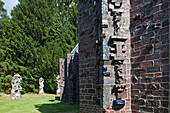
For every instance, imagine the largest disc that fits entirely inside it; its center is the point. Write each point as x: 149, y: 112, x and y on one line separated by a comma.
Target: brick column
x: 89, y: 19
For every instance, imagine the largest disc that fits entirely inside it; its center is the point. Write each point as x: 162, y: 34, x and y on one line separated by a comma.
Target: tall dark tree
x: 3, y: 19
x: 38, y: 34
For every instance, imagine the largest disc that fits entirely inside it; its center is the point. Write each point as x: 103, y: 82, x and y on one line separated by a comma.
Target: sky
x: 9, y: 4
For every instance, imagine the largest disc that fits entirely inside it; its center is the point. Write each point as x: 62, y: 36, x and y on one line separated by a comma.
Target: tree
x: 3, y: 19
x: 38, y: 34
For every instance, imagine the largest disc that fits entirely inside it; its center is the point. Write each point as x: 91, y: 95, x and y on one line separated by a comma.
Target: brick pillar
x: 62, y: 77
x: 89, y: 19
x: 150, y: 55
x: 104, y: 41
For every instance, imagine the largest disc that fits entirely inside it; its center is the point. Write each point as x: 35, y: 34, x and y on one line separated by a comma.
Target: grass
x: 33, y: 103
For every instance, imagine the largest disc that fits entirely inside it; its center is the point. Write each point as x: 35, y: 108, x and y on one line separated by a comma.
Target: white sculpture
x: 41, y: 83
x: 58, y: 85
x: 16, y: 87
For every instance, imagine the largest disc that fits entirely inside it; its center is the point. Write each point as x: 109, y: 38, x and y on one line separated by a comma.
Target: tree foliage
x: 38, y: 34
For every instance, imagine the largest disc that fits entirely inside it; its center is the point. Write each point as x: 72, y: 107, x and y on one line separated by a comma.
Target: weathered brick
x: 146, y: 80
x: 152, y: 57
x: 160, y: 110
x: 161, y: 79
x: 165, y: 103
x: 88, y: 85
x: 165, y: 68
x: 165, y: 48
x: 164, y: 54
x: 139, y: 102
x: 160, y: 93
x: 152, y: 103
x: 165, y: 23
x: 135, y: 92
x: 140, y: 71
x: 139, y: 59
x: 91, y: 90
x: 152, y: 10
x: 134, y: 79
x: 148, y: 35
x: 165, y: 61
x: 164, y: 37
x: 165, y: 85
x: 146, y: 109
x: 164, y: 6
x: 88, y: 97
x: 136, y: 65
x: 133, y: 54
x: 152, y: 86
x: 153, y: 69
x: 139, y: 86
x: 146, y: 64
x: 135, y: 107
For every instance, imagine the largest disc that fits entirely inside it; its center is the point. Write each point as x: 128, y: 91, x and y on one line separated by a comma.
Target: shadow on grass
x: 51, y: 100
x: 57, y: 108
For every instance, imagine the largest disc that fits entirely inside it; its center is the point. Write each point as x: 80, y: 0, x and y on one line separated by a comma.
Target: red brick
x: 136, y: 53
x: 91, y: 90
x: 135, y: 107
x: 139, y: 86
x: 146, y: 64
x: 146, y: 109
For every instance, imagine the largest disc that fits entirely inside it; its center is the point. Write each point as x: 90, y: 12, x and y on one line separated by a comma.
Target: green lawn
x: 33, y: 103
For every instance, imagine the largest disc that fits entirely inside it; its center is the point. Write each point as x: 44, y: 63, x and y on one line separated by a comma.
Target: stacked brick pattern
x: 61, y: 78
x: 89, y: 19
x: 69, y: 78
x: 96, y: 90
x: 150, y: 56
x: 105, y: 40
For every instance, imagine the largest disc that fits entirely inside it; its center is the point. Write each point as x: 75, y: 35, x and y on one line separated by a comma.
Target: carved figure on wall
x: 118, y: 77
x: 117, y: 23
x: 16, y: 86
x: 41, y: 87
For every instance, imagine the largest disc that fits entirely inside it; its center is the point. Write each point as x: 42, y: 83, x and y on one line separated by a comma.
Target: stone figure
x: 16, y: 86
x: 41, y: 87
x: 117, y: 23
x: 58, y: 85
x: 13, y: 84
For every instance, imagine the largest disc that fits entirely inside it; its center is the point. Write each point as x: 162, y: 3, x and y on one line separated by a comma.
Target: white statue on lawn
x: 41, y: 83
x: 58, y: 85
x: 16, y: 87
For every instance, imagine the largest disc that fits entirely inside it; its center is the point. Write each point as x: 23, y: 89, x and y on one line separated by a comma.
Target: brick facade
x: 123, y: 56
x: 89, y: 19
x: 150, y: 56
x: 69, y: 77
x: 104, y: 44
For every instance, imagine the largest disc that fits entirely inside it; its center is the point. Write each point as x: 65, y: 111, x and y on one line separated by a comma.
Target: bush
x: 8, y: 91
x: 23, y: 91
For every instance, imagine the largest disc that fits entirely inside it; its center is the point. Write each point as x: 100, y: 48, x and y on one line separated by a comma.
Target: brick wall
x: 89, y: 19
x: 104, y: 43
x: 150, y: 56
x: 61, y: 78
x: 137, y: 62
x: 69, y: 78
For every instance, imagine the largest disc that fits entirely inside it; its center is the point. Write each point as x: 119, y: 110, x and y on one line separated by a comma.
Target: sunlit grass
x: 33, y: 103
